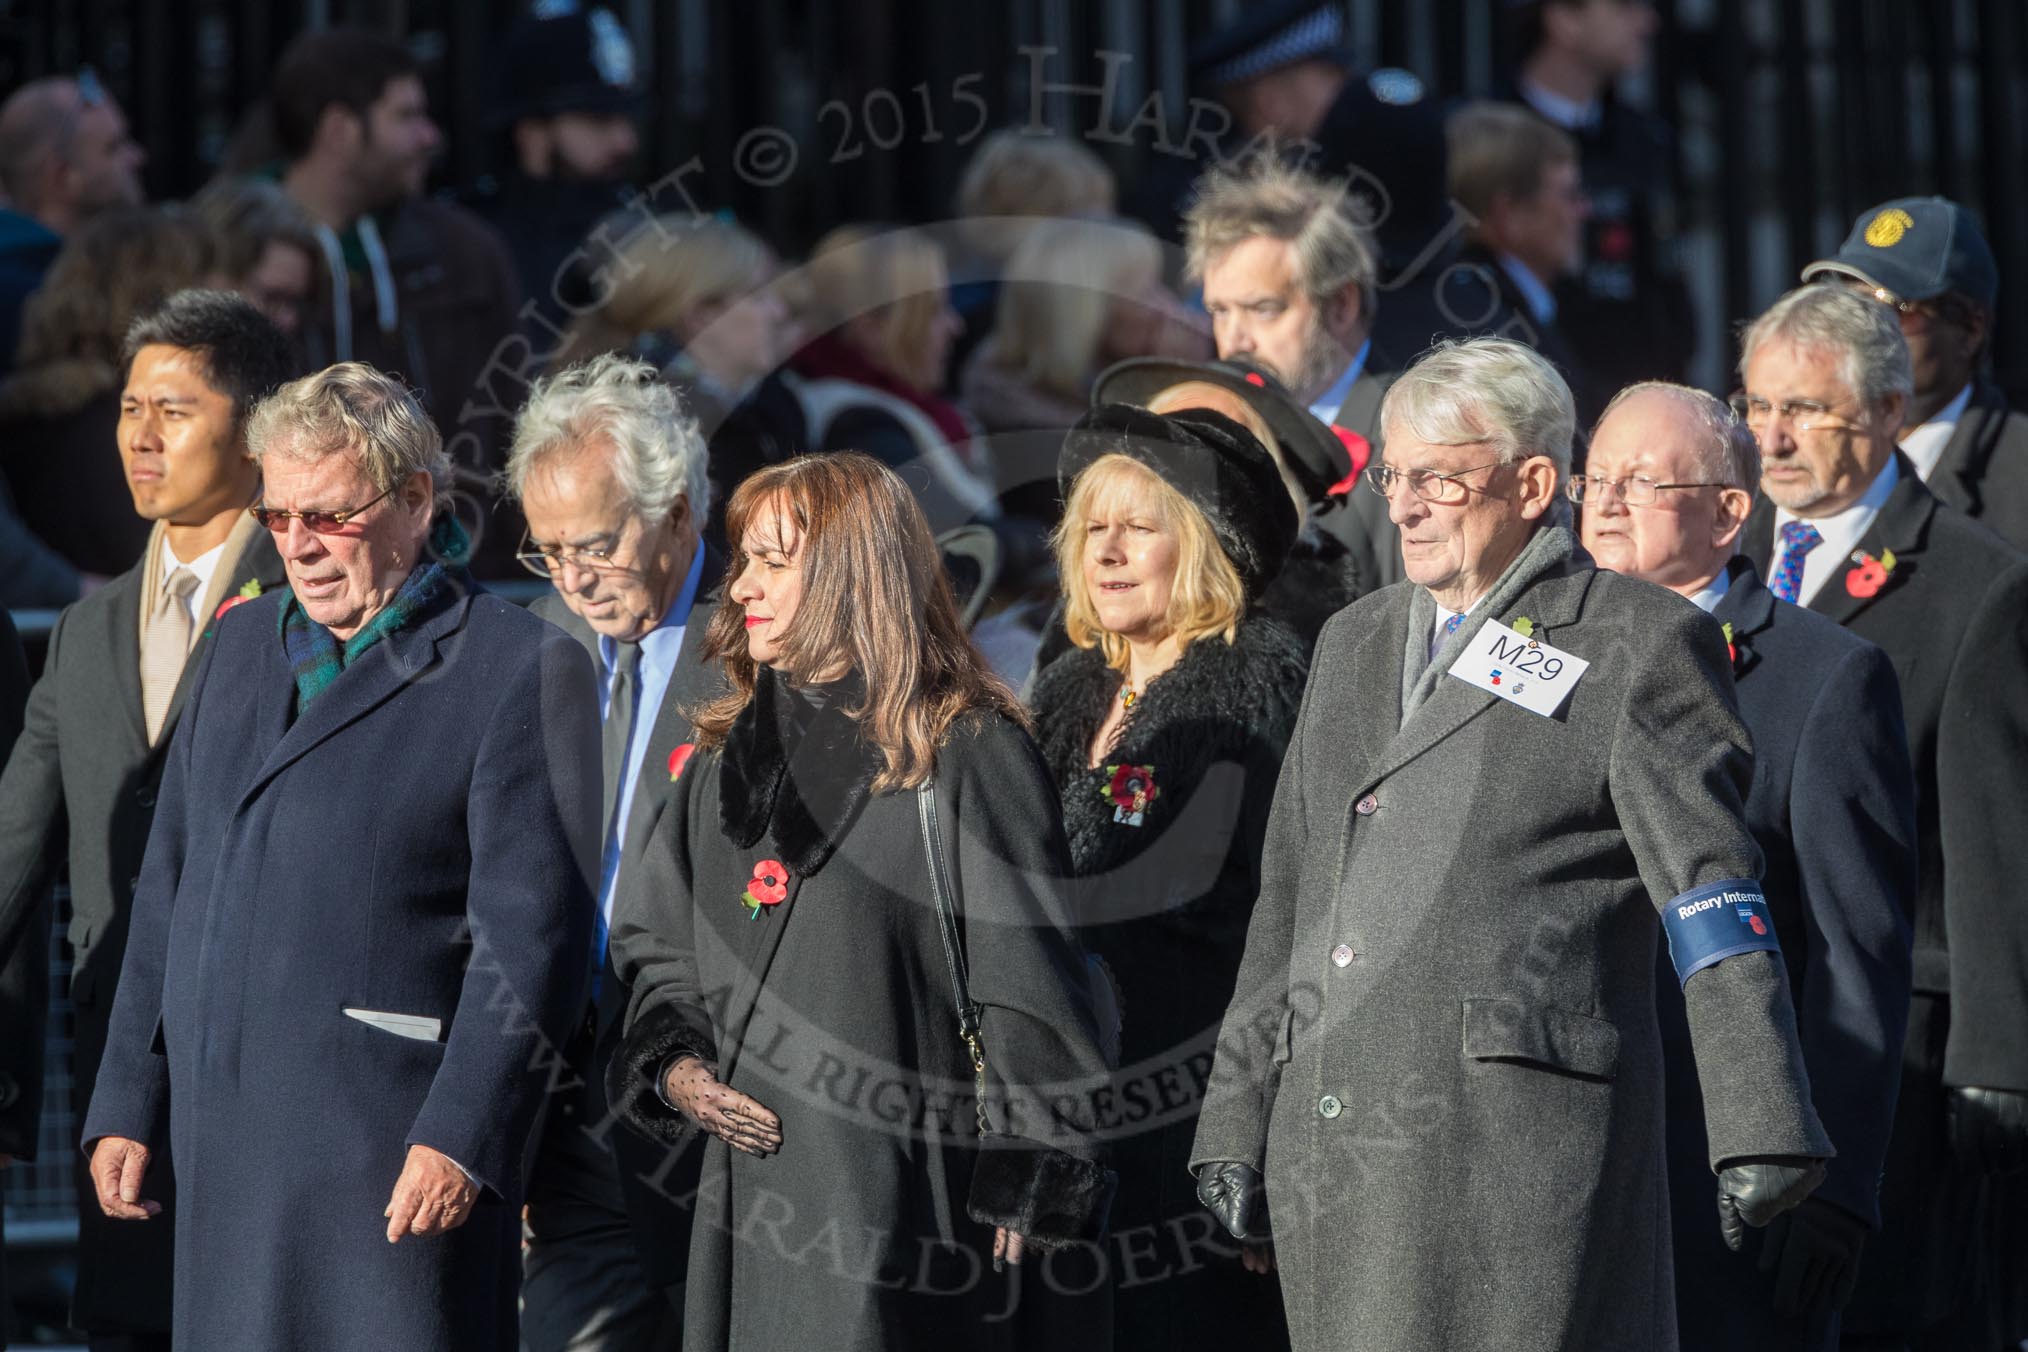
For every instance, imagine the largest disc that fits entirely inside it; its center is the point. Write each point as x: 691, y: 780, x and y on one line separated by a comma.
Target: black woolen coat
x: 872, y: 1227
x: 1166, y: 903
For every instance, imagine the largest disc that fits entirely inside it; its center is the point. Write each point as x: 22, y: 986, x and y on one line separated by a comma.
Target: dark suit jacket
x: 419, y: 841
x: 1547, y: 338
x: 661, y: 1229
x: 80, y: 787
x: 1984, y: 469
x: 1953, y: 618
x: 1832, y: 806
x: 1360, y: 517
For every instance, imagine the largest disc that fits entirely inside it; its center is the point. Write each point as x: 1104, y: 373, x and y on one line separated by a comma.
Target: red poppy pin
x: 679, y: 758
x: 249, y: 592
x: 1869, y: 574
x: 769, y: 886
x: 1130, y: 790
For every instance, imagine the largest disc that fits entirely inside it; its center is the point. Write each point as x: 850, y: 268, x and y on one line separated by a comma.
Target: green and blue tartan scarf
x: 315, y: 656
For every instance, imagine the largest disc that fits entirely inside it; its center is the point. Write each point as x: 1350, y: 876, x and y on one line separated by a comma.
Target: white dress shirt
x: 1535, y: 294
x: 1714, y: 591
x: 1842, y: 532
x: 1925, y: 444
x: 1568, y: 114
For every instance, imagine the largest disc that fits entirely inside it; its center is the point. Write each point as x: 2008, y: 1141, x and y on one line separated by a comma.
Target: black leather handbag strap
x: 947, y: 926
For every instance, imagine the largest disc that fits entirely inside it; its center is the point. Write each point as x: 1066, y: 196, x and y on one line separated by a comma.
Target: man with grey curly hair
x: 362, y: 917
x: 1847, y: 528
x: 1440, y: 1067
x: 609, y: 470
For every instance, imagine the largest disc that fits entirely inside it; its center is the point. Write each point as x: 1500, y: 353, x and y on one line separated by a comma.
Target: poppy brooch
x: 1130, y: 789
x: 250, y: 591
x: 769, y: 886
x: 1869, y: 574
x: 679, y: 758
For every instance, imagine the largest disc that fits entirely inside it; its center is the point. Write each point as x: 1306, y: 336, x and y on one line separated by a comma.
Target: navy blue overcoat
x: 420, y: 841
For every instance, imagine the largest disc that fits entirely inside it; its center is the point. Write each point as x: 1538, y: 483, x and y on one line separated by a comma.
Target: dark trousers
x: 582, y: 1286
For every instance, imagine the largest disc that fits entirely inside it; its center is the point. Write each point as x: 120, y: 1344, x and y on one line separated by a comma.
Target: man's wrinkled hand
x: 432, y: 1195
x: 118, y: 1166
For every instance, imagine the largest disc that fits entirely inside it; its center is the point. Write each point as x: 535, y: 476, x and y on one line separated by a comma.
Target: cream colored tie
x: 164, y: 648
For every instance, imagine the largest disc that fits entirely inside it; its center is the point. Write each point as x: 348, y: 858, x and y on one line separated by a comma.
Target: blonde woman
x: 696, y: 298
x: 1164, y: 729
x: 1077, y: 296
x: 878, y: 304
x: 792, y: 999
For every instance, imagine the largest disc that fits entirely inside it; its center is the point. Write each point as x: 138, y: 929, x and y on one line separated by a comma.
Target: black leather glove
x: 1754, y: 1192
x: 1989, y: 1128
x: 1237, y: 1195
x: 1814, y: 1253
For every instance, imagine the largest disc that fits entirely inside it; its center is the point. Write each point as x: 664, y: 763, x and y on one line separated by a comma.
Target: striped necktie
x: 1798, y: 539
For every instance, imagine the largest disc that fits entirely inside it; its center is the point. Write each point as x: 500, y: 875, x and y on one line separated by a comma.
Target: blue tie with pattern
x: 1798, y: 539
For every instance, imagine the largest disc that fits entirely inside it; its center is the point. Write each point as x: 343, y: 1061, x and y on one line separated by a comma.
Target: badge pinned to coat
x: 1130, y: 789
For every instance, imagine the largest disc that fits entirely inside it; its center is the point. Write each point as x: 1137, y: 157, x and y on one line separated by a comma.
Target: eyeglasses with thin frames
x: 1441, y: 490
x: 1635, y: 490
x: 1804, y: 415
x: 319, y: 523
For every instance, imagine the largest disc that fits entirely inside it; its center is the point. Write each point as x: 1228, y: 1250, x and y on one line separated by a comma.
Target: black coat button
x: 145, y: 796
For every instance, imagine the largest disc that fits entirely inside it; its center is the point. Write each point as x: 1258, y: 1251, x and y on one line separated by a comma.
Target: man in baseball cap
x: 1927, y: 257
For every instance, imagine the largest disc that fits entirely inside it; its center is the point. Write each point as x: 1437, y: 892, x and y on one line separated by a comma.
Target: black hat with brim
x: 1214, y: 462
x: 1315, y: 456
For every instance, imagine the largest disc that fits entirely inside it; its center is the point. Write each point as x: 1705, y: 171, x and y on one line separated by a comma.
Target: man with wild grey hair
x: 1668, y: 484
x: 1848, y: 529
x: 610, y: 473
x: 1438, y: 1091
x: 361, y: 916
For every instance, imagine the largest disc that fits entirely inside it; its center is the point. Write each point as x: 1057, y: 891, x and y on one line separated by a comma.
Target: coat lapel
x: 256, y: 561
x: 1552, y: 602
x: 693, y: 681
x: 122, y: 640
x: 1749, y: 607
x: 1955, y: 480
x: 374, y: 678
x: 1901, y: 525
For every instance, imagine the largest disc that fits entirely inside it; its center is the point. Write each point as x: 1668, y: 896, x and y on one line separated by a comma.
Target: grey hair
x: 1330, y: 229
x: 1727, y: 450
x: 658, y: 451
x: 353, y: 408
x: 1493, y: 391
x: 1864, y: 334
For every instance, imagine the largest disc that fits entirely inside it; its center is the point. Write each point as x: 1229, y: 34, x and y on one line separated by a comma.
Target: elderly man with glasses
x: 610, y: 474
x: 1849, y: 530
x: 1670, y: 478
x: 1443, y: 1056
x: 358, y: 933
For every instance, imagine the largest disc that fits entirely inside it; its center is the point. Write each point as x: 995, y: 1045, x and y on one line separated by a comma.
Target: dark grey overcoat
x: 871, y: 1228
x: 419, y: 841
x: 1443, y: 1050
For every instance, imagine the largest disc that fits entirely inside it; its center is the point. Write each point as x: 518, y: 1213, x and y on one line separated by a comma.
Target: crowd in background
x: 1159, y: 436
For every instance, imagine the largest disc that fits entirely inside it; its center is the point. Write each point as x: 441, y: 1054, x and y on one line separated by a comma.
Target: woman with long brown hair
x: 796, y: 995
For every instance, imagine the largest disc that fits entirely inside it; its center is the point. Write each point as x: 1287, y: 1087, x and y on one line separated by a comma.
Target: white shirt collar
x: 1842, y: 532
x: 1325, y: 408
x: 1924, y: 444
x: 205, y: 565
x: 1541, y: 302
x: 1444, y: 615
x: 1714, y: 591
x: 1568, y: 114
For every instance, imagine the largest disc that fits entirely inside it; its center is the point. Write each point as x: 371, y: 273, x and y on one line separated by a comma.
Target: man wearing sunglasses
x: 83, y: 780
x: 610, y: 474
x: 1926, y: 258
x: 1668, y: 483
x: 1847, y: 528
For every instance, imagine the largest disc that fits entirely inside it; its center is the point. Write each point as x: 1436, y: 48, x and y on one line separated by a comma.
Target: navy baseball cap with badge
x: 1916, y: 248
x: 564, y: 57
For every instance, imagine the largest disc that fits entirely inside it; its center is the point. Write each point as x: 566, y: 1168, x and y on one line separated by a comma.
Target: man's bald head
x: 65, y: 154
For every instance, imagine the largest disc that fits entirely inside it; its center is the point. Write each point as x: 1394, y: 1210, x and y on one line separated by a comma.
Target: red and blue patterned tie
x: 1798, y: 539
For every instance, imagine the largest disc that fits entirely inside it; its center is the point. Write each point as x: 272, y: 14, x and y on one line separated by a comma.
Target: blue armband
x: 1717, y: 921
